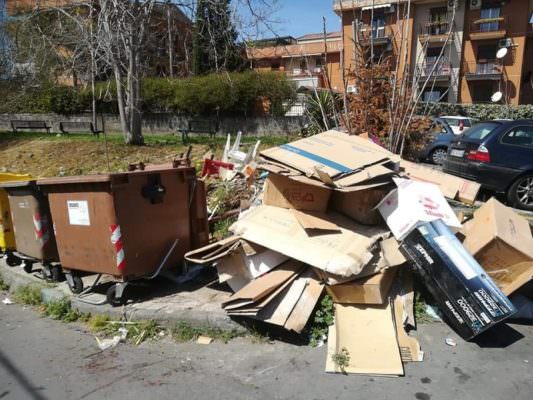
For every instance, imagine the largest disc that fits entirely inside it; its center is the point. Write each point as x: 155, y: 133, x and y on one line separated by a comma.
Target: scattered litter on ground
x: 7, y: 301
x: 204, y: 340
x: 450, y: 342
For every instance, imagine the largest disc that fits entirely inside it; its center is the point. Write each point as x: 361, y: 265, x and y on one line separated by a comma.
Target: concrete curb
x: 15, y: 277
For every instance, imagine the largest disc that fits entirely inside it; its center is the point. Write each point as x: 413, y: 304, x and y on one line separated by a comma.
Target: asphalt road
x: 44, y: 359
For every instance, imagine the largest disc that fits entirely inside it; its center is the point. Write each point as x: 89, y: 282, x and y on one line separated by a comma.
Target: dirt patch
x: 42, y: 158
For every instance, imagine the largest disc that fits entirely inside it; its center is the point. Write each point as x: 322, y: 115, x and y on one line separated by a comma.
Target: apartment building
x: 308, y: 60
x: 451, y: 49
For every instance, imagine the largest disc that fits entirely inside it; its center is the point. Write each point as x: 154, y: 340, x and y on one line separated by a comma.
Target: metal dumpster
x: 32, y: 226
x: 128, y: 225
x: 7, y: 237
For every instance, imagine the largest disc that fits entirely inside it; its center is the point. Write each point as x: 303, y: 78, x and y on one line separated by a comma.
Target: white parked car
x: 458, y: 123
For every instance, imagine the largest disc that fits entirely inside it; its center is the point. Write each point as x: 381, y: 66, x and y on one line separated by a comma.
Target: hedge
x: 228, y: 93
x: 480, y: 111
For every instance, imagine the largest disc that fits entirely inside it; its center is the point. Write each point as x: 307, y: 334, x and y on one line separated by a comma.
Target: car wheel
x: 438, y: 155
x: 520, y: 194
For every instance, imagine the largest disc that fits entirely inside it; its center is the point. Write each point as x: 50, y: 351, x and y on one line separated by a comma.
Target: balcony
x: 435, y: 31
x: 437, y: 71
x: 488, y: 28
x: 486, y: 70
x: 379, y: 36
x: 307, y: 72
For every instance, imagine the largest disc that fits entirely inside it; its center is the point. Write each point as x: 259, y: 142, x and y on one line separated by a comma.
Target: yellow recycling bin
x: 7, y: 237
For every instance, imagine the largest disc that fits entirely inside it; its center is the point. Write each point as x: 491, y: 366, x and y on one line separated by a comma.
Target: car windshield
x: 457, y: 121
x: 480, y: 131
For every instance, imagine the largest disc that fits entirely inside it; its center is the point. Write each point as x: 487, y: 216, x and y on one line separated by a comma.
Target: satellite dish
x: 501, y: 53
x: 496, y: 97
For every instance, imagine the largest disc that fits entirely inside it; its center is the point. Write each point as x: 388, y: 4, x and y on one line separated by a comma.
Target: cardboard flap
x: 214, y: 251
x: 413, y: 203
x: 344, y: 252
x: 514, y: 277
x: 368, y: 174
x: 369, y: 336
x: 451, y: 186
x: 390, y: 249
x: 262, y: 286
x: 315, y: 221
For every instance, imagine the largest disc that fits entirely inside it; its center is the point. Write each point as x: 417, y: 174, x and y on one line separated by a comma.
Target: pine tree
x: 215, y: 37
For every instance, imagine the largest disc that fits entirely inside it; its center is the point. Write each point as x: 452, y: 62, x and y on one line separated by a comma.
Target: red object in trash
x: 212, y: 167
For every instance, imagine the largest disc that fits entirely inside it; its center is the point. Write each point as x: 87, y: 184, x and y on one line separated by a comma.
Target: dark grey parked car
x: 437, y: 149
x: 499, y: 155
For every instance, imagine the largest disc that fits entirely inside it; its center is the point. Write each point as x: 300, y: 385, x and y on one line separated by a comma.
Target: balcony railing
x: 299, y: 72
x: 488, y: 28
x: 435, y: 69
x: 432, y: 28
x: 376, y: 35
x: 483, y: 70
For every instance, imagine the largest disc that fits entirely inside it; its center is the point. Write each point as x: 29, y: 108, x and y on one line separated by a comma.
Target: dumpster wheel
x: 12, y: 260
x: 57, y: 274
x: 75, y: 284
x: 28, y: 266
x: 112, y: 299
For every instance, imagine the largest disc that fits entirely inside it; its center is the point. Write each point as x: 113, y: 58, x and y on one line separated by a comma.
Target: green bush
x: 225, y: 93
x: 480, y: 111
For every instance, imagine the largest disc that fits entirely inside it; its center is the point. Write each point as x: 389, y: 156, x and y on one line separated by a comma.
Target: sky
x: 299, y: 17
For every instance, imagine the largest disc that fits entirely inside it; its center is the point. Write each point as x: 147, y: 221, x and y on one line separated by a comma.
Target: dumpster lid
x: 107, y: 177
x: 15, y: 184
x: 76, y: 179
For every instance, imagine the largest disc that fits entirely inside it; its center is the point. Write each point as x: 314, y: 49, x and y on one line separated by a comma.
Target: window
x: 432, y: 96
x: 487, y: 14
x: 521, y: 136
x: 482, y: 91
x: 480, y: 131
x: 438, y: 21
x: 303, y: 65
x: 378, y: 26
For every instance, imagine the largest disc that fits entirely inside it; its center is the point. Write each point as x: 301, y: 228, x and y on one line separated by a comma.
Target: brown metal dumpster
x: 32, y: 225
x: 128, y: 225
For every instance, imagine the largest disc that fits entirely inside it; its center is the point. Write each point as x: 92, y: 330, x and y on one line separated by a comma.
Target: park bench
x: 79, y: 127
x: 198, y: 126
x: 29, y: 124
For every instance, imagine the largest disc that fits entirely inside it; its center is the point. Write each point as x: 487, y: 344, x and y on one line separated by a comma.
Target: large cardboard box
x: 466, y: 295
x: 371, y: 290
x: 282, y: 191
x: 501, y: 241
x: 360, y: 205
x: 333, y: 153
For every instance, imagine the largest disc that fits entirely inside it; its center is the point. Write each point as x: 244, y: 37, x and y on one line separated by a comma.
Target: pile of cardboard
x: 341, y: 213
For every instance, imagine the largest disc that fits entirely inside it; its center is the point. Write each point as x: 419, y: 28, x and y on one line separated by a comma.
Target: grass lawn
x: 41, y: 155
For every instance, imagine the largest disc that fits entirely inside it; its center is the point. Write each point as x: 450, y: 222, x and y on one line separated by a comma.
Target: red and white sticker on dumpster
x: 78, y: 212
x: 116, y: 239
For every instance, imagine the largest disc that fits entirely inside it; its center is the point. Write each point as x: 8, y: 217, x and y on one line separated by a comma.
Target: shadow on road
x: 6, y: 363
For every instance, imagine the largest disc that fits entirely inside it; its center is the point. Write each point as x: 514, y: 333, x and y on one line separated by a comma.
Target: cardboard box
x: 281, y: 191
x: 360, y: 205
x: 466, y: 295
x: 413, y: 203
x: 333, y: 153
x: 371, y: 290
x: 501, y: 241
